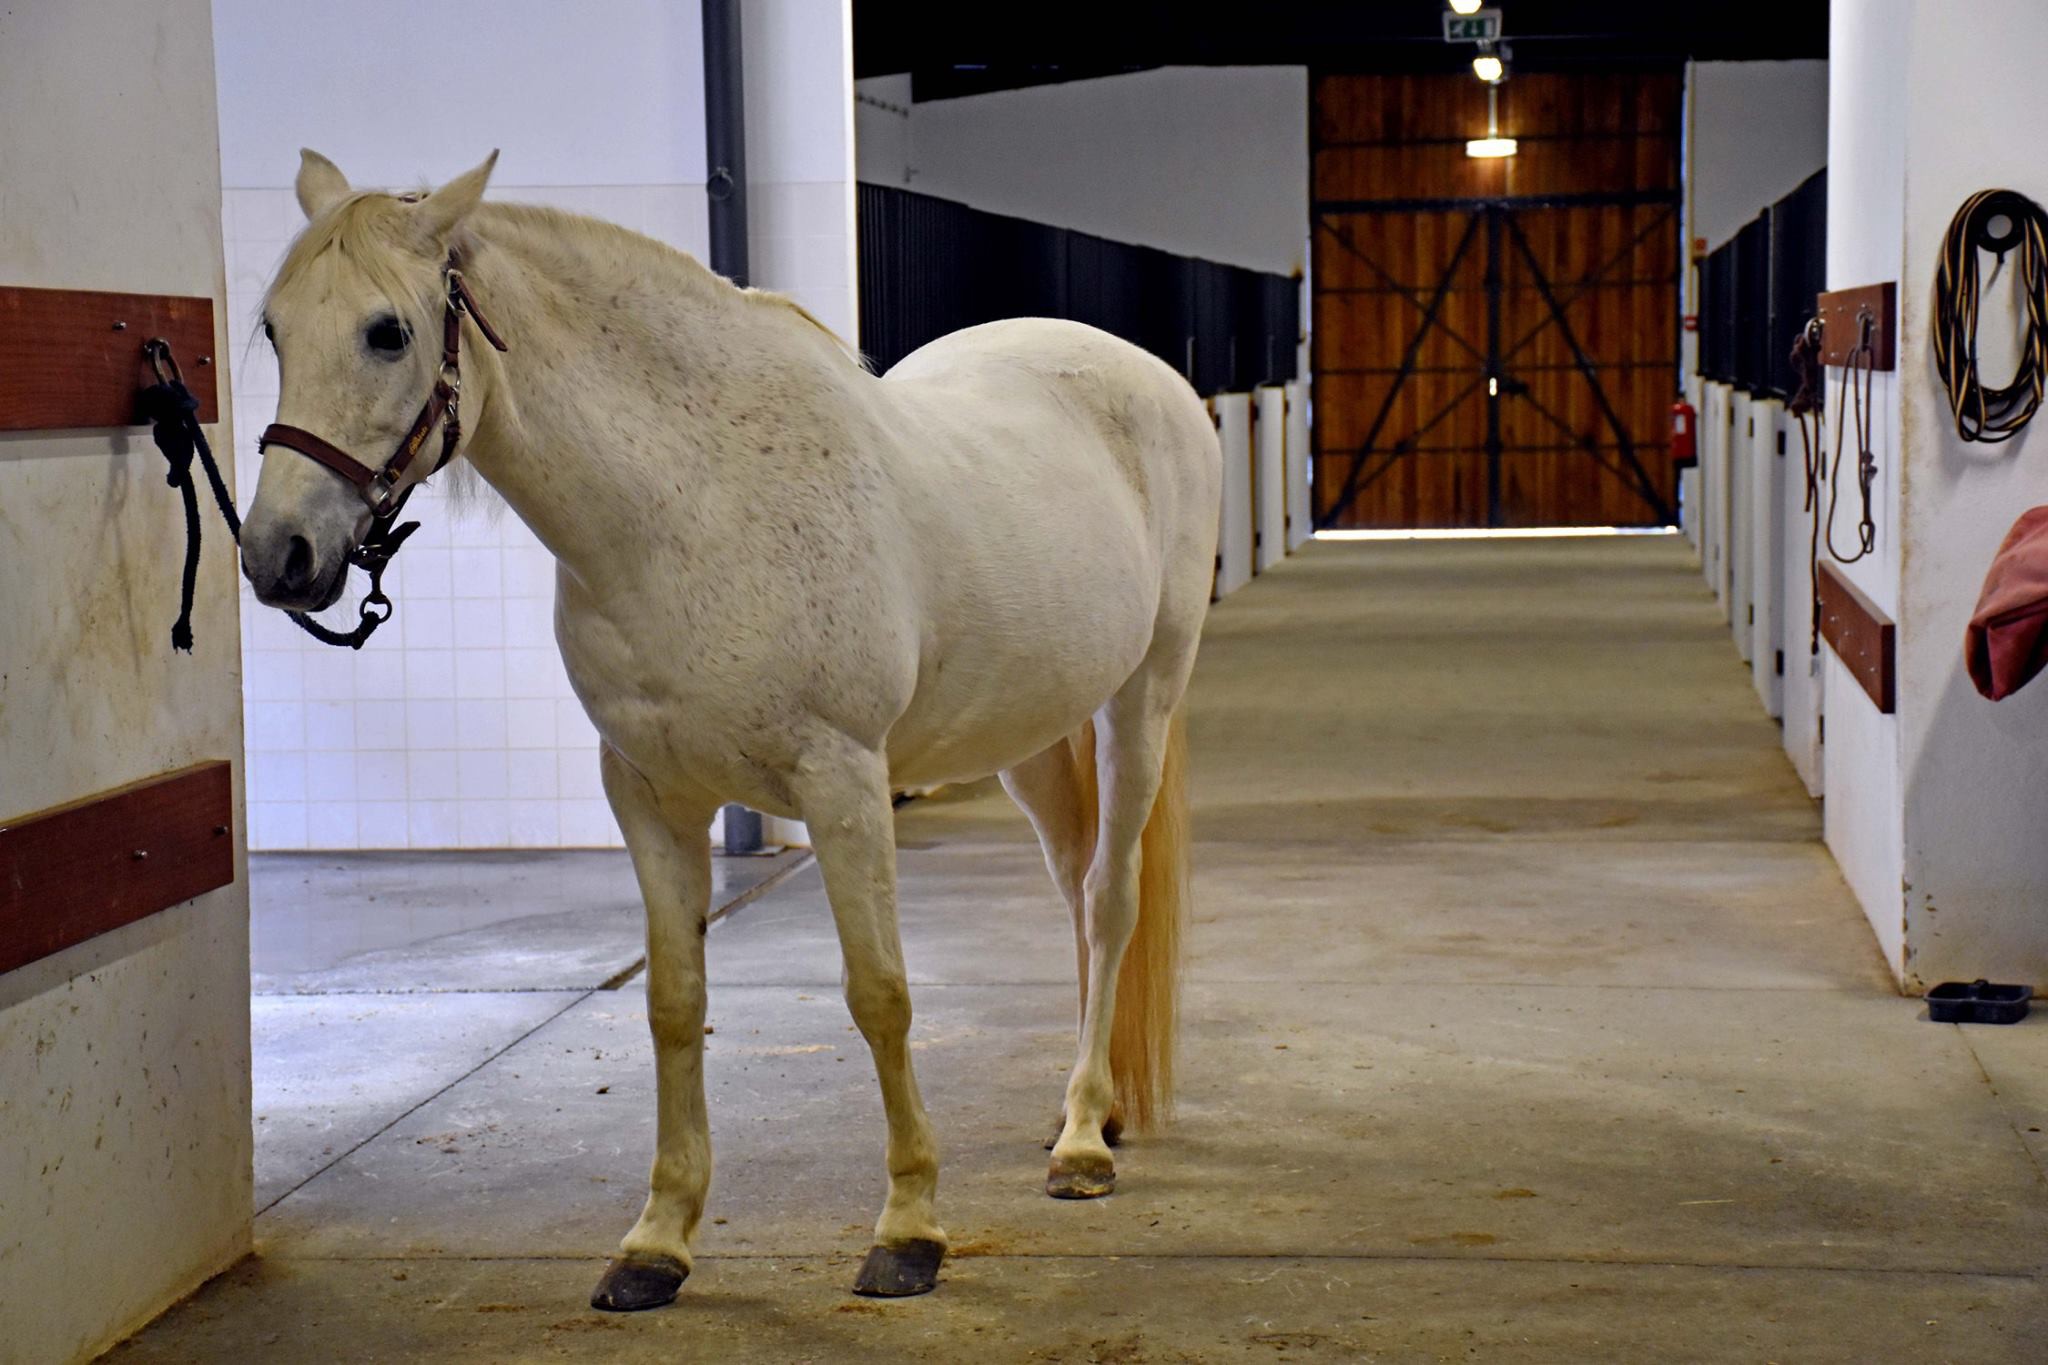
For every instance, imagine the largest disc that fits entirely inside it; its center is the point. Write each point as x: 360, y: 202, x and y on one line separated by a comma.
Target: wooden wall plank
x: 72, y: 358
x: 1862, y: 637
x: 72, y: 873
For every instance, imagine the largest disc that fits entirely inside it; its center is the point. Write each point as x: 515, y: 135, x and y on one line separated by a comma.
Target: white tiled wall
x: 455, y: 726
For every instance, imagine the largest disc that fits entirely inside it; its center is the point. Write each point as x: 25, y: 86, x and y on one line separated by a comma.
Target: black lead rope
x: 173, y: 414
x: 1807, y: 405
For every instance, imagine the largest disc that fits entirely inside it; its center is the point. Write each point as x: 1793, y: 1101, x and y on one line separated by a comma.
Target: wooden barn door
x: 1496, y: 341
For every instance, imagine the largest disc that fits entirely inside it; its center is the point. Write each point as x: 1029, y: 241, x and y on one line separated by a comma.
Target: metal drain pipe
x: 725, y: 185
x: 725, y: 139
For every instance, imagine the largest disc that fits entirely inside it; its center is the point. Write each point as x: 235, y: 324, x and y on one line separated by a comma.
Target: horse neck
x: 640, y: 393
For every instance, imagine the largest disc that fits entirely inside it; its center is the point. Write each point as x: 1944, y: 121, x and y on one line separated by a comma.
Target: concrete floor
x: 1528, y: 1021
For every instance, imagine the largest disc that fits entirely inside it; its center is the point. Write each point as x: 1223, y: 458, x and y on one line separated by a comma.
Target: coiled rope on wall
x: 1991, y: 414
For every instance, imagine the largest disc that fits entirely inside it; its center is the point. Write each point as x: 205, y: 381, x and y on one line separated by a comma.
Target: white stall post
x: 1301, y: 516
x: 1800, y: 688
x: 1689, y: 519
x: 1714, y: 482
x: 1741, y: 523
x: 1269, y: 487
x: 1767, y: 552
x: 1234, y: 539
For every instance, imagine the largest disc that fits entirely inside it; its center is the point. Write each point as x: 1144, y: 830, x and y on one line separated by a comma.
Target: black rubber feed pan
x: 1978, y: 1002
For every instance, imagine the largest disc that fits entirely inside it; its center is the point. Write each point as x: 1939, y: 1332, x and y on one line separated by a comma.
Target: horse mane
x: 363, y: 228
x: 769, y: 296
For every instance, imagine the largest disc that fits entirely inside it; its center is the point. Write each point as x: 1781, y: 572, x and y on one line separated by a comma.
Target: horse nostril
x: 298, y: 565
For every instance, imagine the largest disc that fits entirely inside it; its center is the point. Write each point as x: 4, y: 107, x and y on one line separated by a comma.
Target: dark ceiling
x: 965, y: 48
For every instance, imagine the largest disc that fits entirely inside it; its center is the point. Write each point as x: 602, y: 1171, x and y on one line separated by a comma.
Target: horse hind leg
x: 1056, y: 790
x: 1132, y: 921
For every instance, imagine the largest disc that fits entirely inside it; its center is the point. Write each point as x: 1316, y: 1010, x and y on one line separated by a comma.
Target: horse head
x: 355, y: 317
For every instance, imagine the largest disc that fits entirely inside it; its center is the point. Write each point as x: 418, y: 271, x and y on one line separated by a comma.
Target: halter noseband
x: 379, y: 486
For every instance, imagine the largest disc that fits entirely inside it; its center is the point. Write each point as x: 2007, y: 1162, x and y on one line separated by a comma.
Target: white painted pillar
x: 1269, y: 486
x: 801, y: 202
x: 1800, y: 688
x: 1767, y: 552
x: 1741, y: 527
x: 802, y: 206
x: 1714, y: 476
x: 1689, y: 487
x: 124, y: 1059
x: 1301, y: 519
x: 1234, y: 539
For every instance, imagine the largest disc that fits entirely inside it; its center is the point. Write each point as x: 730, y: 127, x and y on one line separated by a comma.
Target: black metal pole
x: 1494, y: 214
x: 725, y: 185
x: 725, y: 139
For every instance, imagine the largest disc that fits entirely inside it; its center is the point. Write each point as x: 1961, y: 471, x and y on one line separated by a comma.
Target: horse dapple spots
x: 786, y: 581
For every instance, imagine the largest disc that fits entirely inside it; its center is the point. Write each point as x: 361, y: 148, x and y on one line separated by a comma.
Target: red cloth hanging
x: 2007, y: 642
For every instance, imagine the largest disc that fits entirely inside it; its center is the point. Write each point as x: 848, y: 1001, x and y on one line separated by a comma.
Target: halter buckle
x: 382, y: 495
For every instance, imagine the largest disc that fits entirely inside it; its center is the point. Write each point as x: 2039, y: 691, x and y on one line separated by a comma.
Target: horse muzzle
x: 290, y: 572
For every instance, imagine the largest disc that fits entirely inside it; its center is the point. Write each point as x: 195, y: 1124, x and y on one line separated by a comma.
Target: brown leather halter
x: 380, y: 486
x: 384, y: 488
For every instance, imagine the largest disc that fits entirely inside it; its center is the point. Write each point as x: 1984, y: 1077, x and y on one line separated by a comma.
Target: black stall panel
x: 1282, y: 330
x: 931, y: 266
x: 1799, y: 272
x: 1752, y: 318
x: 1716, y: 315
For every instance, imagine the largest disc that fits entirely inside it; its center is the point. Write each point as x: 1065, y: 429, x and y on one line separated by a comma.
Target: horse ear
x: 441, y: 212
x: 321, y: 183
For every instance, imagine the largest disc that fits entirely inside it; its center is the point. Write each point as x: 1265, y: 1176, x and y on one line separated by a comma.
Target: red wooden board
x: 1862, y: 637
x: 69, y: 874
x: 72, y: 358
x: 1841, y: 328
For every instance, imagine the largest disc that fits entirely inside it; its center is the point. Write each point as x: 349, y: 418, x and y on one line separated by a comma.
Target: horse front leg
x: 671, y: 847
x: 844, y: 797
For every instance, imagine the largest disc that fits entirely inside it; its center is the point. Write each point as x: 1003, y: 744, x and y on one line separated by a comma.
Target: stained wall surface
x: 1975, y: 867
x: 124, y: 1062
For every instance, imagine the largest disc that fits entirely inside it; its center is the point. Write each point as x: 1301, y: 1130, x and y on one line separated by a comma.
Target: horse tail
x: 1142, y: 1036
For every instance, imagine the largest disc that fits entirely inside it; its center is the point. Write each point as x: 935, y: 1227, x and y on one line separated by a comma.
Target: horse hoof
x: 1087, y: 1178
x: 1112, y: 1131
x: 898, y: 1272
x: 631, y: 1283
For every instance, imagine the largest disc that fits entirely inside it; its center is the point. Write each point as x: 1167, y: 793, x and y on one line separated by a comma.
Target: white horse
x: 785, y: 581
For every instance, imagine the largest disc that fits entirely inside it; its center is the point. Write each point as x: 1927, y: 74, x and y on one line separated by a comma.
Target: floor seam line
x: 1998, y: 1098
x: 744, y: 899
x: 414, y: 1109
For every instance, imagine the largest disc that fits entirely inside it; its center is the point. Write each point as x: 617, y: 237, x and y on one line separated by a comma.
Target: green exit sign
x: 1481, y: 26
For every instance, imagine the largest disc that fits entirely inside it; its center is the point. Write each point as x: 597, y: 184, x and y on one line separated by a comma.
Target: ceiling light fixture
x: 1493, y: 146
x: 1488, y: 68
x: 1466, y: 6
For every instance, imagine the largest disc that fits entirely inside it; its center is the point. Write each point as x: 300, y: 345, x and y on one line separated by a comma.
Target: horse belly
x: 994, y: 696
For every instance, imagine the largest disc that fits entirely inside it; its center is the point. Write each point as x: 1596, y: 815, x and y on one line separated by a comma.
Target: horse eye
x: 387, y: 336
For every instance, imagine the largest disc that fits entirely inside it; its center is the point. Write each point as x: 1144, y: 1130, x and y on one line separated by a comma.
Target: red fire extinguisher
x: 1684, y: 450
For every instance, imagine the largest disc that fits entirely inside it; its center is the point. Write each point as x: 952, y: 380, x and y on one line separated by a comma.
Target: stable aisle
x: 1527, y: 1019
